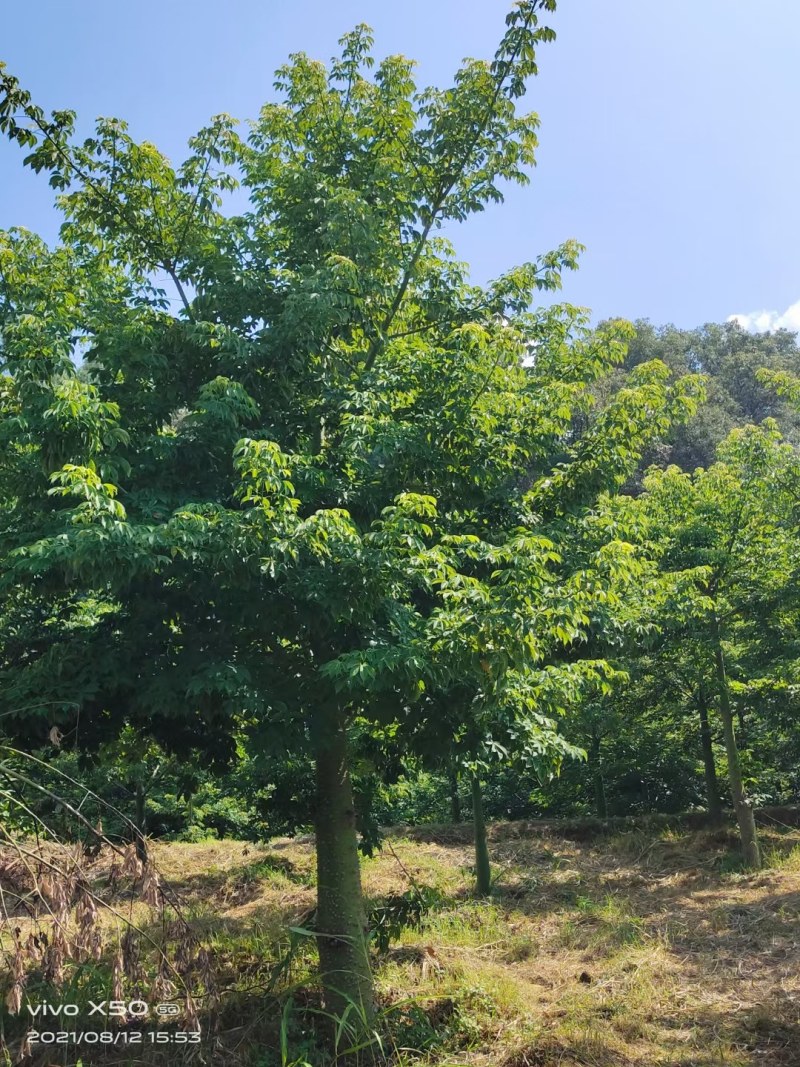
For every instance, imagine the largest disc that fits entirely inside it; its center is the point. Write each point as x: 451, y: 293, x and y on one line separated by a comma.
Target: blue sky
x: 668, y: 138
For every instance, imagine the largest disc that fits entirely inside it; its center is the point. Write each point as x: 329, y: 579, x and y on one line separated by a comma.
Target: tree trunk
x: 140, y: 821
x: 483, y: 868
x: 709, y: 767
x: 455, y: 801
x: 341, y: 919
x: 596, y: 767
x: 741, y: 805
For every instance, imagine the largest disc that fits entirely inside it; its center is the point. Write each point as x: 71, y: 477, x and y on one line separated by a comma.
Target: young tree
x: 584, y: 588
x: 668, y: 699
x: 729, y: 529
x: 307, y: 489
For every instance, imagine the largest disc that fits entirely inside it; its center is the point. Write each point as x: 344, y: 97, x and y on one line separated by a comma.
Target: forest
x: 393, y: 669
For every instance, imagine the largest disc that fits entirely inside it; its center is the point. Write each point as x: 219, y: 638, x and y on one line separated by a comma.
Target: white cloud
x: 761, y: 321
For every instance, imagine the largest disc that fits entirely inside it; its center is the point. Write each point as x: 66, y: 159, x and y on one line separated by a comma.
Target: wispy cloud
x: 761, y: 321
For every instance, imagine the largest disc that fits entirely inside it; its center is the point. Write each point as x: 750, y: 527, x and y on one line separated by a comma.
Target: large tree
x: 315, y: 482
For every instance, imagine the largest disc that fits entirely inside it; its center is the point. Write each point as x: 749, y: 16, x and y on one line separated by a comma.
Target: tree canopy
x: 330, y: 476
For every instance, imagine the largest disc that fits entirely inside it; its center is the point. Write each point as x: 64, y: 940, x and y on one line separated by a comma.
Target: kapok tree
x: 288, y: 499
x: 729, y: 530
x: 591, y: 597
x: 670, y: 697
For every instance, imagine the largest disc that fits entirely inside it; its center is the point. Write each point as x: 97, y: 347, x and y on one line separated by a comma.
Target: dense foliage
x: 332, y: 535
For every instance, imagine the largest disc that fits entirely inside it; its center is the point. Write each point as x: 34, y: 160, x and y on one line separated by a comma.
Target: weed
x: 399, y: 912
x: 781, y: 859
x: 606, y: 923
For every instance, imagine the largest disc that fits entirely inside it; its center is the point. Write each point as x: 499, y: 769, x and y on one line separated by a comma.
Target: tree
x: 655, y: 731
x: 311, y: 492
x: 587, y: 592
x: 731, y: 359
x: 728, y: 529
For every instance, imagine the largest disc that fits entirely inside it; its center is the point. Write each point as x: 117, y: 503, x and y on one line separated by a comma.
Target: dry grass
x: 638, y: 950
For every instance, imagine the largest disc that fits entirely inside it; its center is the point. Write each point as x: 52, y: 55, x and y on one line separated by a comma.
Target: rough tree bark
x: 341, y: 925
x: 741, y: 804
x: 709, y: 766
x: 483, y: 867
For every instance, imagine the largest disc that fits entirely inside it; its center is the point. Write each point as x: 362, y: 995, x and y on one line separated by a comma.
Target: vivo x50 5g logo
x: 120, y: 1009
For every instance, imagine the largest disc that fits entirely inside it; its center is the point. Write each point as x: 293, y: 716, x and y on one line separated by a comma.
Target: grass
x: 636, y: 950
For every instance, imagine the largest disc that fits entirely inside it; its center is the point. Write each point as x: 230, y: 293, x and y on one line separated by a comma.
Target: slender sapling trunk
x: 709, y: 765
x: 741, y: 804
x: 596, y: 768
x: 483, y: 868
x: 455, y: 800
x: 140, y: 821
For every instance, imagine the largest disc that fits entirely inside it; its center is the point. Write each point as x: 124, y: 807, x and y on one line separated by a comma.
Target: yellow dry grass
x: 635, y: 950
x: 631, y: 951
